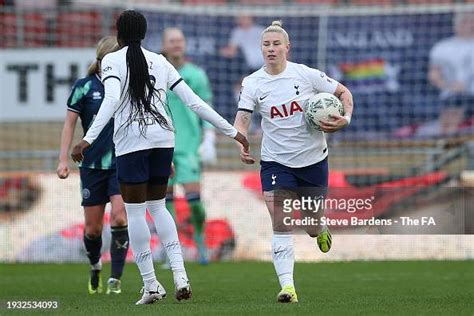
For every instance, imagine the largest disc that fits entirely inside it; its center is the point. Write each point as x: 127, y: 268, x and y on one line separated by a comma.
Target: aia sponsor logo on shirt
x: 285, y: 110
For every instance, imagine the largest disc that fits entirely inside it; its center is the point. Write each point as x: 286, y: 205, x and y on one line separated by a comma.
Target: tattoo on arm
x: 242, y: 121
x: 346, y: 100
x: 245, y: 117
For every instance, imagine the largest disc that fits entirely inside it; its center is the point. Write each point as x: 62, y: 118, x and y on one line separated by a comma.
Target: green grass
x: 353, y: 288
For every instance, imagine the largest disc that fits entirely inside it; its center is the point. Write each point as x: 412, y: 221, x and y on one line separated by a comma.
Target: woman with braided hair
x: 136, y: 81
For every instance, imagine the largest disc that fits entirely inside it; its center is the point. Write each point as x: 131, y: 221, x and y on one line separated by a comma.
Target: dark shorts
x: 275, y: 176
x: 145, y: 166
x: 97, y: 186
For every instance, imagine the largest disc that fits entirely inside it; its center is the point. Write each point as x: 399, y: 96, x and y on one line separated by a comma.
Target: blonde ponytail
x: 106, y: 45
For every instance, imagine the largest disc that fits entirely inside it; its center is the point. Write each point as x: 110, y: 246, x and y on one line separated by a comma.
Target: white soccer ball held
x: 322, y: 107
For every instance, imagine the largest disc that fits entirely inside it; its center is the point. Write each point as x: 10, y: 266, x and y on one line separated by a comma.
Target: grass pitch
x: 352, y: 288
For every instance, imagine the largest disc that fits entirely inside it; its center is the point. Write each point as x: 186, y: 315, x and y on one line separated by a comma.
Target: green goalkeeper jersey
x: 187, y: 124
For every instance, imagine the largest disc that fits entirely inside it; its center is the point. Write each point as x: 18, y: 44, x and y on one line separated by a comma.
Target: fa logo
x: 273, y: 179
x: 296, y: 88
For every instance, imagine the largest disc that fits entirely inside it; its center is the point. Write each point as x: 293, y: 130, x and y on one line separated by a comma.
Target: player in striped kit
x: 294, y: 156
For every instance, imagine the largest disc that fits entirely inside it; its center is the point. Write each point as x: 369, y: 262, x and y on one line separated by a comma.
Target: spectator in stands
x: 246, y: 37
x: 452, y: 72
x: 98, y: 174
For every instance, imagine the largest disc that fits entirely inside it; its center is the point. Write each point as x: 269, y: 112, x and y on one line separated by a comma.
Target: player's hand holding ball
x: 77, y: 151
x: 335, y: 123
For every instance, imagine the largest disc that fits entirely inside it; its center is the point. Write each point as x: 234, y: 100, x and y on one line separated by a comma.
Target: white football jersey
x: 287, y: 139
x: 127, y: 137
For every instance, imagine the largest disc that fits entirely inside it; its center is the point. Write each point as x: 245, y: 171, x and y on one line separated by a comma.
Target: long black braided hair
x: 131, y: 30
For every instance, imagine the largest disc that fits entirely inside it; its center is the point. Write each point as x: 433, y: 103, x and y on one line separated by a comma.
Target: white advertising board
x: 35, y: 83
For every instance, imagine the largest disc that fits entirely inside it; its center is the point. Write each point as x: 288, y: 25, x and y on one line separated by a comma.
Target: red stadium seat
x: 28, y: 30
x: 9, y: 31
x: 78, y: 29
x: 113, y: 21
x: 36, y: 30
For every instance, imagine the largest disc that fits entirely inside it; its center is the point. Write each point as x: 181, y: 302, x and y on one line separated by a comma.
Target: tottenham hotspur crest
x: 297, y: 87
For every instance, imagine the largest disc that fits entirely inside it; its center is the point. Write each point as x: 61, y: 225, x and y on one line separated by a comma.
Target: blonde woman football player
x: 98, y: 175
x: 294, y: 156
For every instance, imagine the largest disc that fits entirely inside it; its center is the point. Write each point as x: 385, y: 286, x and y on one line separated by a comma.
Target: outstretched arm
x: 204, y: 111
x: 106, y: 112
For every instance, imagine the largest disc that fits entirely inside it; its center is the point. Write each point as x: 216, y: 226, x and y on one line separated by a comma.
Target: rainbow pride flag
x: 364, y: 70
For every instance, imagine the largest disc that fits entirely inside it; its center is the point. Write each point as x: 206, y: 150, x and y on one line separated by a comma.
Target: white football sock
x: 166, y: 230
x: 283, y: 257
x: 140, y: 236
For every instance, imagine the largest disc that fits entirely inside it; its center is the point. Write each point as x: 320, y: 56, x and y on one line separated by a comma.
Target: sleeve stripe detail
x: 245, y: 110
x: 111, y: 77
x: 176, y: 83
x: 73, y: 110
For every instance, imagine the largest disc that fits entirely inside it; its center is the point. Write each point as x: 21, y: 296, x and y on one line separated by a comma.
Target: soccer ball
x: 319, y: 107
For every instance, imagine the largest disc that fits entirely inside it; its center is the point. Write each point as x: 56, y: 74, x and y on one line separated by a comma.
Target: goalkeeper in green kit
x: 195, y: 139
